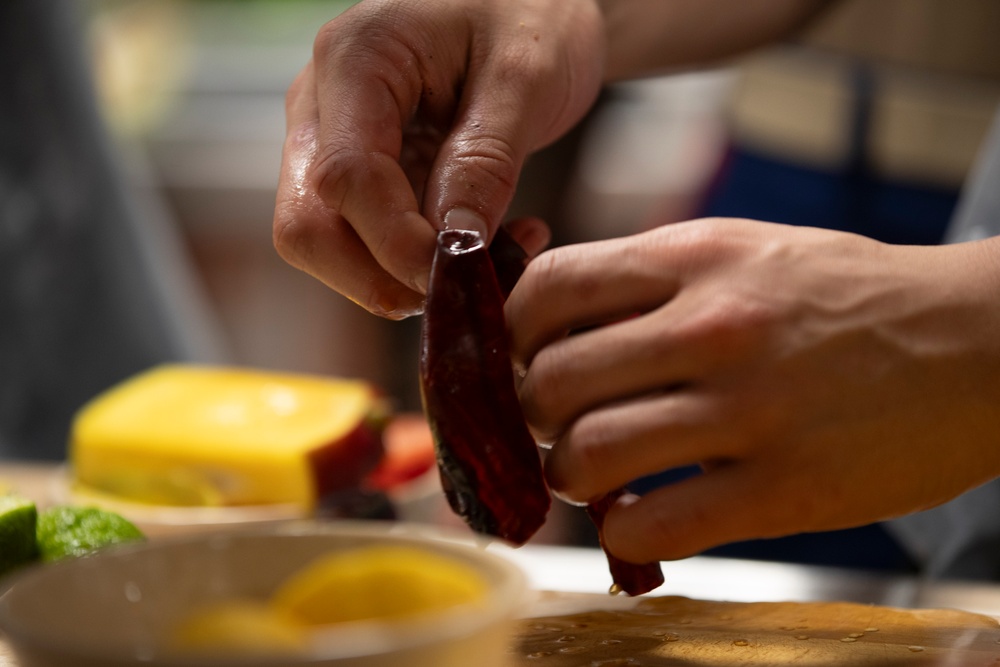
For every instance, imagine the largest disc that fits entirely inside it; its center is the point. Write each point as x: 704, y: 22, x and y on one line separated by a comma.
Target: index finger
x: 367, y: 91
x: 314, y: 238
x: 584, y: 285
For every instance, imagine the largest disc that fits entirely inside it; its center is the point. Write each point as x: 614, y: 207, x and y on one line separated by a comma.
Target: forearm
x: 650, y: 36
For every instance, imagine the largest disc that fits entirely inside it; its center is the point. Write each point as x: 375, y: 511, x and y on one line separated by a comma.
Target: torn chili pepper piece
x: 628, y: 577
x: 510, y: 260
x: 490, y: 466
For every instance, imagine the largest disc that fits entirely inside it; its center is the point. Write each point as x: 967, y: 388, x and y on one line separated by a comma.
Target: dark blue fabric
x: 753, y: 186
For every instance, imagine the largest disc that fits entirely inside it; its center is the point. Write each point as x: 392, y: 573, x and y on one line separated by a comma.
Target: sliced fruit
x: 18, y: 519
x: 377, y: 582
x: 200, y: 435
x: 76, y: 531
x: 237, y: 627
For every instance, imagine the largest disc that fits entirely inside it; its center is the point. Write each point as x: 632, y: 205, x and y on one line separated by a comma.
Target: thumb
x: 500, y: 119
x: 475, y: 174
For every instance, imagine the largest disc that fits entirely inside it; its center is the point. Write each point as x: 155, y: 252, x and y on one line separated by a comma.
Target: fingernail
x: 626, y: 499
x: 566, y: 499
x: 463, y: 218
x: 421, y: 282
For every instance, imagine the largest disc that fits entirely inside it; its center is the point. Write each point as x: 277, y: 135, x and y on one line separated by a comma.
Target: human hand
x: 822, y: 380
x: 415, y: 116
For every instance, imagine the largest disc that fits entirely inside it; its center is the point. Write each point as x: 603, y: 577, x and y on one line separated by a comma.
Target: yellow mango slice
x: 202, y: 435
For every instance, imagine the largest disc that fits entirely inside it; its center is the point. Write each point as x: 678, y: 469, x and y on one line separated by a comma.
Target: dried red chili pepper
x: 509, y: 259
x: 628, y: 577
x: 490, y: 467
x: 489, y: 463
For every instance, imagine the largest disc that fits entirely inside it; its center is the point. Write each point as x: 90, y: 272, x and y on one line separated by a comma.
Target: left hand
x: 821, y: 379
x: 414, y: 117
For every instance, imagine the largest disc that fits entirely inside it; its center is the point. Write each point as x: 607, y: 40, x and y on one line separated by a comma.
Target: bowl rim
x: 503, y: 600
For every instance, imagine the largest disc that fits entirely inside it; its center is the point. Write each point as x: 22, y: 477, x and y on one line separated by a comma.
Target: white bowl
x: 114, y: 608
x: 168, y: 520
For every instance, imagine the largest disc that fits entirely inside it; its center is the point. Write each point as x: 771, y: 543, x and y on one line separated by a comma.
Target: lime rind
x: 18, y: 521
x: 76, y: 531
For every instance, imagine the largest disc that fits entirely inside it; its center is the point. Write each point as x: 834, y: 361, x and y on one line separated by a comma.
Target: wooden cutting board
x: 679, y: 631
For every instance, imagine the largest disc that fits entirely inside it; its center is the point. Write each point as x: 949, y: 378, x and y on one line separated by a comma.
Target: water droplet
x: 871, y: 629
x: 132, y: 592
x: 802, y: 636
x: 671, y: 638
x: 615, y: 589
x: 610, y: 642
x: 741, y: 642
x: 573, y: 649
x: 856, y: 635
x: 565, y: 639
x: 848, y: 639
x: 538, y: 654
x: 915, y: 649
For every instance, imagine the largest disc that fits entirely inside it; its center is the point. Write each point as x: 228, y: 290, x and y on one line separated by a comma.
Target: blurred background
x: 194, y: 90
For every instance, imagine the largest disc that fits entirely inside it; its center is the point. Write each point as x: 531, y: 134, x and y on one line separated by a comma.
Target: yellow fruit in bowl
x: 379, y: 582
x: 238, y: 626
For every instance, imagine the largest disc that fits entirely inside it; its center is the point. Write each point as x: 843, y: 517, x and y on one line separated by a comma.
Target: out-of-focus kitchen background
x: 194, y: 90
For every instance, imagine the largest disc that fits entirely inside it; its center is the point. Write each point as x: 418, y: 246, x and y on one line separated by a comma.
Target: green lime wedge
x: 18, y: 518
x: 75, y: 531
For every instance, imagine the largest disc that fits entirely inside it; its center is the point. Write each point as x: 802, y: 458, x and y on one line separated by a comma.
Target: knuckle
x: 486, y: 158
x: 521, y: 67
x: 344, y: 33
x: 542, y: 275
x: 591, y: 442
x: 391, y: 245
x: 730, y: 324
x: 331, y: 174
x: 291, y: 237
x: 543, y: 393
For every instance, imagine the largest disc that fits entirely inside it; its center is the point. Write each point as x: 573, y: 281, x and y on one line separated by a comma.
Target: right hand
x: 822, y: 379
x: 416, y: 116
